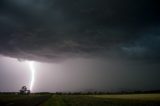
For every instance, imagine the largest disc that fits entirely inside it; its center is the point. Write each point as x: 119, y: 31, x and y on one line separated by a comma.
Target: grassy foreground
x: 81, y: 100
x: 104, y: 100
x: 22, y: 100
x: 138, y: 97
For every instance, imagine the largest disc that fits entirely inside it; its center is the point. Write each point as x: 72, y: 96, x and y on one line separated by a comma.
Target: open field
x: 139, y: 97
x: 81, y: 100
x: 22, y: 100
x: 104, y: 100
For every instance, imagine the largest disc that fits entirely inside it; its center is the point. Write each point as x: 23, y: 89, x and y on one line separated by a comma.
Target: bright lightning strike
x: 32, y: 69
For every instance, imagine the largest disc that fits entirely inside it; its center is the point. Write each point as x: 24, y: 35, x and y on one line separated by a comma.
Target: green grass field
x: 81, y: 100
x: 140, y: 97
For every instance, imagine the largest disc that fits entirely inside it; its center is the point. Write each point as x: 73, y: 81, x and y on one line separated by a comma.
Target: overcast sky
x: 80, y: 44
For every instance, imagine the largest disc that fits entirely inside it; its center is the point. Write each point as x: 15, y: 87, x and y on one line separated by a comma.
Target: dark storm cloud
x: 146, y: 46
x: 54, y: 30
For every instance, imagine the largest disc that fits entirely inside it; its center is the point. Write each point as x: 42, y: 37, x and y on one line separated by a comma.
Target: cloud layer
x: 55, y: 30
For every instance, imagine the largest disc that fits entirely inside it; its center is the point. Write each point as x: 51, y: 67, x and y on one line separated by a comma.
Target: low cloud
x: 55, y: 30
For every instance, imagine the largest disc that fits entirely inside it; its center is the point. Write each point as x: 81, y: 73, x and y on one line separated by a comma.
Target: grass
x: 104, y: 100
x: 55, y: 101
x: 81, y: 100
x: 139, y: 97
x: 22, y: 100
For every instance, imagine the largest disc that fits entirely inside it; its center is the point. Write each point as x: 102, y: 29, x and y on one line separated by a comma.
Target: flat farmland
x: 138, y: 97
x: 104, y: 100
x: 22, y: 100
x: 81, y: 100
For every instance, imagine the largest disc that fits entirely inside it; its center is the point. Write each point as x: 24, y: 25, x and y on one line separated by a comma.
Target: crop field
x: 81, y: 100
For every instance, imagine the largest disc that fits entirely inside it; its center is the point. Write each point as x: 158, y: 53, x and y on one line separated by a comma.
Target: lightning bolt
x: 32, y: 69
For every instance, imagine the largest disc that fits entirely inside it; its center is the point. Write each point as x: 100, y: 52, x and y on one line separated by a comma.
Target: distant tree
x: 24, y: 91
x: 28, y: 92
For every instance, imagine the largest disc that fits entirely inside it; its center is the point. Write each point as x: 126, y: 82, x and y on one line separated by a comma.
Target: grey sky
x: 79, y: 75
x: 95, y: 44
